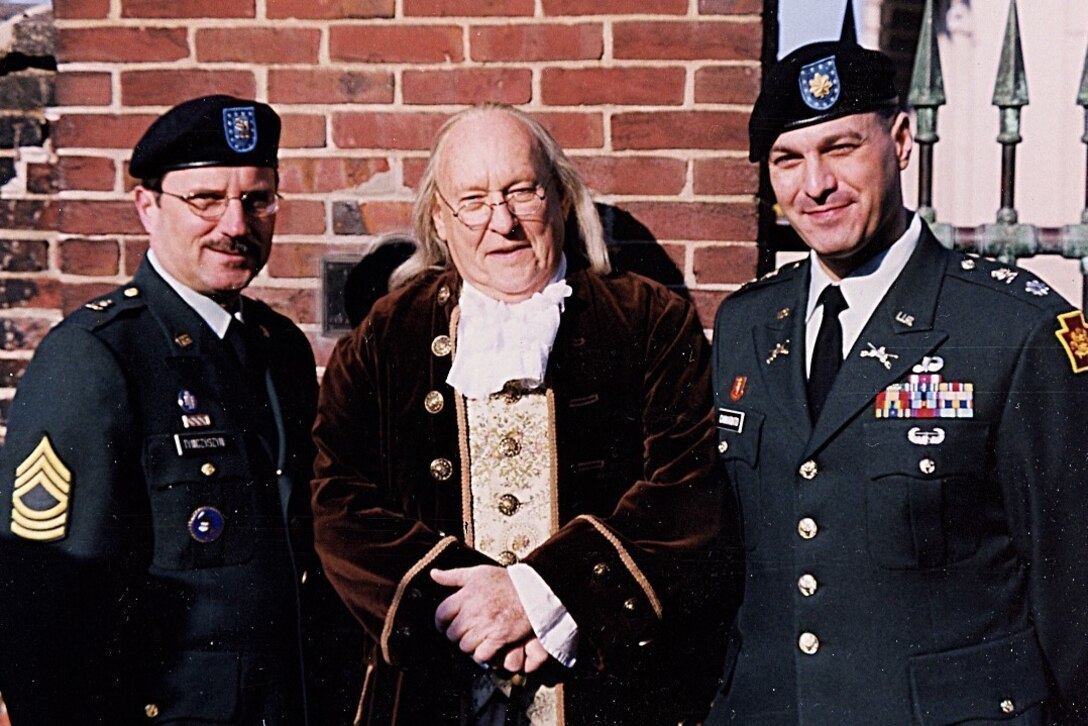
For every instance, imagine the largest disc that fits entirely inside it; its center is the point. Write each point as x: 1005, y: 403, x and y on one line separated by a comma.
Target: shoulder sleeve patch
x: 1073, y: 335
x: 43, y: 483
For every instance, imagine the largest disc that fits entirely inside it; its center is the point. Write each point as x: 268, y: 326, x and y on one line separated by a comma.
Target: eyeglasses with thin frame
x: 211, y: 206
x: 521, y: 203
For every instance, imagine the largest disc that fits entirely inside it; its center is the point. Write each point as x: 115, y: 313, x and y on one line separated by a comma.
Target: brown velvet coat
x: 636, y: 559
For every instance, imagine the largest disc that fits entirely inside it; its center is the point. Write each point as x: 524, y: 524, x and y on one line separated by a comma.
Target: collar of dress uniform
x: 209, y: 310
x: 498, y: 342
x: 866, y: 286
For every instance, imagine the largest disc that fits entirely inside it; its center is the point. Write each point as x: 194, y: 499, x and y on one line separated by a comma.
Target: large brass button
x: 807, y: 528
x: 1007, y: 706
x: 151, y: 710
x: 723, y: 446
x: 927, y: 466
x: 518, y: 680
x: 208, y: 469
x: 630, y: 605
x: 443, y: 294
x: 508, y: 504
x: 507, y: 558
x: 441, y: 469
x: 808, y: 470
x: 509, y: 446
x: 808, y: 643
x: 600, y: 569
x: 807, y: 585
x: 441, y: 345
x: 434, y: 402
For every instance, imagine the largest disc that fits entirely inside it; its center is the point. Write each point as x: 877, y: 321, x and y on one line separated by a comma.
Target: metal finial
x: 849, y: 33
x: 926, y: 96
x: 1011, y: 88
x: 927, y: 81
x: 1082, y: 97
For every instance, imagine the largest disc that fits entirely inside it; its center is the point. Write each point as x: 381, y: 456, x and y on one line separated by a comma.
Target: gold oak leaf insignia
x: 819, y: 85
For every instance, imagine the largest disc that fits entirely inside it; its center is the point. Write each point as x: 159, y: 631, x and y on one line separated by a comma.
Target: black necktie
x: 246, y: 344
x: 827, y: 355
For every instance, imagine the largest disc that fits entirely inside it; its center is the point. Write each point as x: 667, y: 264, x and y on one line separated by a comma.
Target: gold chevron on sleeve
x: 43, y: 484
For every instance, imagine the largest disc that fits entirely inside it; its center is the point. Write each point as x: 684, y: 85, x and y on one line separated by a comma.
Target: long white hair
x: 432, y: 252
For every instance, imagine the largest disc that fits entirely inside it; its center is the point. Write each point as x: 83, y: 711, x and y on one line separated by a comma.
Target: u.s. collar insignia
x: 1074, y: 338
x: 39, y: 500
x: 240, y: 128
x: 737, y: 391
x: 819, y: 81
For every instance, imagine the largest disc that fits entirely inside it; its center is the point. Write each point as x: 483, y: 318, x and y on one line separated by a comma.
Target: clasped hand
x: 486, y: 620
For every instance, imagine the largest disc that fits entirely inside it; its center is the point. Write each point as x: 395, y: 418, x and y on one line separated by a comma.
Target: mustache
x: 234, y: 245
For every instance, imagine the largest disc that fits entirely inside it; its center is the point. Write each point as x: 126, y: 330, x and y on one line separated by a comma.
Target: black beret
x: 817, y: 83
x: 208, y: 131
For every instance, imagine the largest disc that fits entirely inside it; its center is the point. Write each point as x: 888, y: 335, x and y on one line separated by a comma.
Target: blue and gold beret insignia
x: 820, y: 84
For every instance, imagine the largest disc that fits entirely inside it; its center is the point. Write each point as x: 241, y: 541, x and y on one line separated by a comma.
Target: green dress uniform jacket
x: 638, y: 497
x: 903, y: 569
x: 179, y: 583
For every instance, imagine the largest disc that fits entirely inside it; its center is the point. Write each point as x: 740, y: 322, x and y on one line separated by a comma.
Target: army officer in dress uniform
x: 156, y: 560
x: 904, y: 427
x: 515, y: 490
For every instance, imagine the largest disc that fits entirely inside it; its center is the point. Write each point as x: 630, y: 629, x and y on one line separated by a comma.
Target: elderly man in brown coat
x: 516, y: 490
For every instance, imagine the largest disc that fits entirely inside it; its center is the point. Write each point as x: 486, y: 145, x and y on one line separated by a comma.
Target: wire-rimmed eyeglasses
x: 211, y: 206
x: 521, y: 203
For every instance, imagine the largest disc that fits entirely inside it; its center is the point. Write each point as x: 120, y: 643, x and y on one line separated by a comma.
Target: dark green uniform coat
x: 937, y: 577
x: 638, y: 497
x: 127, y: 615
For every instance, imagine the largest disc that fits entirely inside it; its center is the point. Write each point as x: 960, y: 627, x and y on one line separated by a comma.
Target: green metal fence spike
x: 926, y: 96
x: 1011, y: 88
x: 849, y: 33
x: 927, y: 81
x: 1082, y: 97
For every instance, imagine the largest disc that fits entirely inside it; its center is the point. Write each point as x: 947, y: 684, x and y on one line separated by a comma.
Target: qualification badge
x: 43, y: 484
x: 1074, y: 338
x: 820, y: 86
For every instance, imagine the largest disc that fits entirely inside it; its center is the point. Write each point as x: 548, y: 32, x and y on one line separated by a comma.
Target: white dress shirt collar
x: 863, y: 288
x: 209, y: 310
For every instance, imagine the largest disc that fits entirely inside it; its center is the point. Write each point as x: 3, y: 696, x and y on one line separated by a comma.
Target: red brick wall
x: 650, y: 96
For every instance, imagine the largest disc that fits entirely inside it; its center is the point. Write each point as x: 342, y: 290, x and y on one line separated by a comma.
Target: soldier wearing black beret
x: 903, y: 426
x: 156, y: 558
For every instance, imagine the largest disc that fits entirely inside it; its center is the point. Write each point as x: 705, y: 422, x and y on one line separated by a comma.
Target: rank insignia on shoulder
x: 100, y: 305
x: 43, y: 485
x: 1037, y: 288
x: 1074, y: 338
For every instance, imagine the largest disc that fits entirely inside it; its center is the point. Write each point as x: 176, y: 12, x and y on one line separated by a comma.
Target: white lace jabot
x: 499, y: 342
